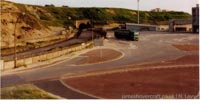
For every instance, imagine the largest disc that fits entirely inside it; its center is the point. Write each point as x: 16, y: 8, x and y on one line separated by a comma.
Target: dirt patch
x: 178, y: 82
x: 99, y: 55
x: 187, y: 47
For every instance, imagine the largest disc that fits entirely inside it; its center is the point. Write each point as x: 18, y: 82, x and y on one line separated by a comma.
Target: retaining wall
x: 1, y: 65
x: 45, y: 57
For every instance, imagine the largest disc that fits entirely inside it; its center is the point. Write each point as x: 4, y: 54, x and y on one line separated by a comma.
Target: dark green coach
x: 127, y: 34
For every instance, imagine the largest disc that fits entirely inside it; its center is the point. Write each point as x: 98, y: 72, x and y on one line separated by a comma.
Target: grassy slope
x: 103, y: 15
x: 24, y: 92
x: 63, y: 16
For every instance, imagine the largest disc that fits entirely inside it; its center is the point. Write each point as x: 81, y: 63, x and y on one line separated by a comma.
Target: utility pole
x: 92, y: 32
x: 15, y: 39
x: 138, y: 11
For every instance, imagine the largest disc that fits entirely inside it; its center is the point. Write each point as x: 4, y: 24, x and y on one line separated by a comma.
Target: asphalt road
x: 151, y: 47
x: 57, y: 88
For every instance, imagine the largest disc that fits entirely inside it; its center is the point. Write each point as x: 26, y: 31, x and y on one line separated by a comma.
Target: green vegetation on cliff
x: 65, y: 16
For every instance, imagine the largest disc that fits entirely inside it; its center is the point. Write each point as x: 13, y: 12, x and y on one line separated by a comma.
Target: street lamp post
x: 138, y: 11
x: 92, y: 31
x: 15, y: 39
x: 101, y: 53
x: 69, y: 29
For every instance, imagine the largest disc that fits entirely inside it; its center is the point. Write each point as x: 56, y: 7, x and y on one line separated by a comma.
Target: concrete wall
x: 8, y: 65
x: 1, y: 64
x: 44, y: 57
x: 163, y: 28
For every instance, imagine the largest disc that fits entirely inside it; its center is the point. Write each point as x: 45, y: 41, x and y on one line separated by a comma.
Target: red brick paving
x: 187, y: 47
x: 96, y: 57
x: 179, y: 82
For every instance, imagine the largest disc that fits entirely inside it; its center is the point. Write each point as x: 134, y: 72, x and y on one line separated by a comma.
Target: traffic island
x: 98, y: 56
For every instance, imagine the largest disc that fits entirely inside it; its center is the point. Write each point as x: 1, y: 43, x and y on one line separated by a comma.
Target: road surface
x: 151, y: 47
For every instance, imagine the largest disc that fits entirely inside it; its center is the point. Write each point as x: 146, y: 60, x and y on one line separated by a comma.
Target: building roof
x: 140, y: 24
x: 181, y: 21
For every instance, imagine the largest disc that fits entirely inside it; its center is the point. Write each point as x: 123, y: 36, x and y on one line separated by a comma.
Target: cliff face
x: 28, y: 26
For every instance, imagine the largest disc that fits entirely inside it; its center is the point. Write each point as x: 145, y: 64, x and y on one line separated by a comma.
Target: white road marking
x: 132, y: 46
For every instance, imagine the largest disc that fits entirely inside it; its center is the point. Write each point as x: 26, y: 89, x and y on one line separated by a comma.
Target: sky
x: 176, y: 5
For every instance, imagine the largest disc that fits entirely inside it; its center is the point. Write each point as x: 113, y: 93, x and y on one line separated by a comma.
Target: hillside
x: 45, y: 21
x: 28, y: 27
x: 67, y: 16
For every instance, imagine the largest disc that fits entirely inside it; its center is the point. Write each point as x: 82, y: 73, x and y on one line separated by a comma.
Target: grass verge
x: 26, y: 91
